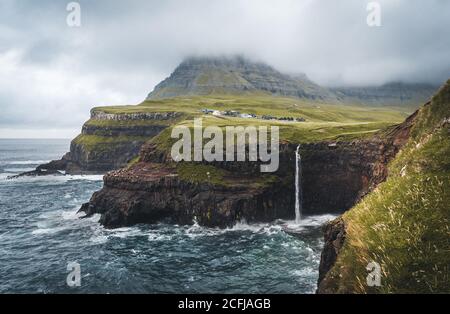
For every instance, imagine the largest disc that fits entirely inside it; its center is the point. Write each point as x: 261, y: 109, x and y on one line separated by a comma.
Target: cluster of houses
x: 229, y: 113
x: 237, y: 114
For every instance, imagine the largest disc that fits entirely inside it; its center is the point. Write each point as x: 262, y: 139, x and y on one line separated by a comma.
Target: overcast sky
x: 51, y: 74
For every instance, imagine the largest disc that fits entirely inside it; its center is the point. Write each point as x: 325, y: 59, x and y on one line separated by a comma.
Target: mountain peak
x: 234, y: 75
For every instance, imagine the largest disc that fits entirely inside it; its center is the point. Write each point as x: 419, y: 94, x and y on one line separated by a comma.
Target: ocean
x: 41, y: 233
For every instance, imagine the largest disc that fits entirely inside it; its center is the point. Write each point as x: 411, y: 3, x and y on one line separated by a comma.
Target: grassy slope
x: 262, y: 104
x: 323, y: 121
x: 404, y: 225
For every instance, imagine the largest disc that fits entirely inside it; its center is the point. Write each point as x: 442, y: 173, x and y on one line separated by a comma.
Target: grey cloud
x: 124, y: 48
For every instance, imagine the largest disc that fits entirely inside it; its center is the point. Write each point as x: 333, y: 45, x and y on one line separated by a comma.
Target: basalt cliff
x: 219, y: 194
x: 107, y: 141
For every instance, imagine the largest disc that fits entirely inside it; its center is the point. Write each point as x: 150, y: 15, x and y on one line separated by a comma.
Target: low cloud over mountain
x: 53, y: 74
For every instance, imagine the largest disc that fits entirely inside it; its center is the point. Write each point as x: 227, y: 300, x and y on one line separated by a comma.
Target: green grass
x: 129, y: 123
x: 199, y: 173
x: 404, y: 225
x: 323, y: 121
x: 98, y: 144
x: 313, y: 111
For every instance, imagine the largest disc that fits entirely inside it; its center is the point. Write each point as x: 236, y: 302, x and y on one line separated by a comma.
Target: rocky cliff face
x: 335, y: 176
x: 383, y: 227
x: 155, y: 189
x: 235, y: 75
x: 108, y: 141
x: 334, y: 232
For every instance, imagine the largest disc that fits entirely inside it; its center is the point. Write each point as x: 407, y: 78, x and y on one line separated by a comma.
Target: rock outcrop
x: 374, y: 229
x: 107, y: 141
x: 335, y: 176
x: 334, y: 234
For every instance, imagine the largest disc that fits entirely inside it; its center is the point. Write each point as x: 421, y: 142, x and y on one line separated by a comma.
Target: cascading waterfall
x: 298, y: 188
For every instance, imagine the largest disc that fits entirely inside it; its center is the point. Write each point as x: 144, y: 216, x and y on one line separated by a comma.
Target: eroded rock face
x: 151, y: 192
x: 334, y: 234
x: 335, y: 231
x: 82, y: 160
x: 117, y: 144
x: 335, y: 177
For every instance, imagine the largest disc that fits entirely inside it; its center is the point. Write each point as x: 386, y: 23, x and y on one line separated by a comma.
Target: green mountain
x: 203, y: 76
x: 235, y: 75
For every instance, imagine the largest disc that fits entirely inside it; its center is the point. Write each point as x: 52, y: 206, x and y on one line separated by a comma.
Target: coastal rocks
x: 107, y: 142
x: 102, y: 157
x: 36, y: 173
x: 334, y: 235
x: 148, y: 193
x: 335, y: 176
x: 335, y: 231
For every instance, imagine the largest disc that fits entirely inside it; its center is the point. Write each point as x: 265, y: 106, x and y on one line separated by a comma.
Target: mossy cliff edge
x: 404, y: 224
x: 109, y: 141
x: 336, y: 174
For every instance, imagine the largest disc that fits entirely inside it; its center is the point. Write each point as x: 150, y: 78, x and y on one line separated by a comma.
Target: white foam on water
x: 196, y: 230
x: 159, y: 237
x: 5, y: 175
x: 23, y: 162
x: 91, y: 177
x: 58, y: 179
x: 305, y: 272
x: 19, y: 169
x: 71, y: 215
x: 308, y: 221
x: 41, y: 231
x: 96, y: 239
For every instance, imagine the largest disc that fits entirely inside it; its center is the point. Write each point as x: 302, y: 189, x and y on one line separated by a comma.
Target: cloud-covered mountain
x: 235, y: 75
x: 395, y: 94
x: 240, y: 75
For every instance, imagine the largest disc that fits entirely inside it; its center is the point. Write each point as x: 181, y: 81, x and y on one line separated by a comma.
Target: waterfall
x: 298, y: 188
